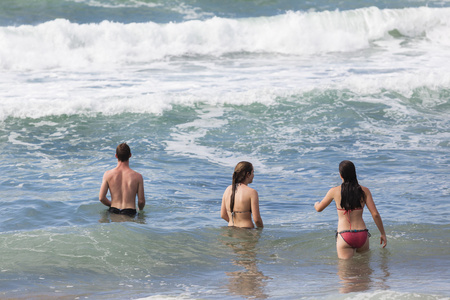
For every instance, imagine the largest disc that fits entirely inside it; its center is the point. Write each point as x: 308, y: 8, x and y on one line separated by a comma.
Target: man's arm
x: 140, y: 193
x: 103, y: 191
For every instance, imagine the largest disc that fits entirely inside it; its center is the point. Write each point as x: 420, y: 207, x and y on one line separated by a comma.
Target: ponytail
x: 233, y: 191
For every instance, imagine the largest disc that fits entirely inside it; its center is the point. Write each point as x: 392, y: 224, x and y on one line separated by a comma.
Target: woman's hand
x: 383, y: 240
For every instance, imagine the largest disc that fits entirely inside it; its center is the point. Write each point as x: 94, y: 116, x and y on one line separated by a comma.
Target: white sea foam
x: 112, y: 68
x: 185, y: 140
x: 61, y: 44
x: 386, y: 295
x: 25, y: 100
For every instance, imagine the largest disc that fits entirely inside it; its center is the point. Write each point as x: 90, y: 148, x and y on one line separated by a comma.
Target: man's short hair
x: 123, y: 152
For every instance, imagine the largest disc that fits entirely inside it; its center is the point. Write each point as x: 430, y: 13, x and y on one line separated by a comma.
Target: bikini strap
x: 347, y: 213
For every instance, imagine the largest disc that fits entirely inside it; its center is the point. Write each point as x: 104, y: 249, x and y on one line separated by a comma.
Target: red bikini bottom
x: 355, y: 238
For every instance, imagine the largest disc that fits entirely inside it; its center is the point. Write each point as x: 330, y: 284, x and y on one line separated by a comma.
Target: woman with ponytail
x: 350, y: 198
x: 240, y: 202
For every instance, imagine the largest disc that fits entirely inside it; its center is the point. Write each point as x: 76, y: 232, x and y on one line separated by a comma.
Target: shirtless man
x: 123, y: 184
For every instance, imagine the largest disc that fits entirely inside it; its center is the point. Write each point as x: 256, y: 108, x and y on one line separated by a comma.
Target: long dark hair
x: 352, y: 195
x: 240, y: 172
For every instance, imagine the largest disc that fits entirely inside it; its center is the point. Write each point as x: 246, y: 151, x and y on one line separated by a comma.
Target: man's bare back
x: 123, y: 183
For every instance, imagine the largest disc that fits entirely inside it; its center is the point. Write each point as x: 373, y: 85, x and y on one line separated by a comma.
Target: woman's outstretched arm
x: 319, y: 206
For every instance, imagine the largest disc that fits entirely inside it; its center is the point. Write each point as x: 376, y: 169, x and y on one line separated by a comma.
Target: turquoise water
x: 195, y: 87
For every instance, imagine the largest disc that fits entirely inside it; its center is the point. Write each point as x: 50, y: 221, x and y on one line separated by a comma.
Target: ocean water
x: 195, y: 87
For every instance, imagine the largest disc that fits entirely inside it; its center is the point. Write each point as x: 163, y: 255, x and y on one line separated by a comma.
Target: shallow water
x: 195, y: 87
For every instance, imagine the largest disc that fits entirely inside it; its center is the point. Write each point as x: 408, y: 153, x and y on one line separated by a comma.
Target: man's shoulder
x: 108, y: 173
x: 135, y: 174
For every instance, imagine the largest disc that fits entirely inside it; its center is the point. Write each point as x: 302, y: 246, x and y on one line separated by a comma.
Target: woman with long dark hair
x: 350, y: 198
x: 239, y: 201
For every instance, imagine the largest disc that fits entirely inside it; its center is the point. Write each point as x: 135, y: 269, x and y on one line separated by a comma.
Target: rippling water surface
x: 195, y: 87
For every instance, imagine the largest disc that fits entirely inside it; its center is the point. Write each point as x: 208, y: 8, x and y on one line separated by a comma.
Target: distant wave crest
x: 62, y: 44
